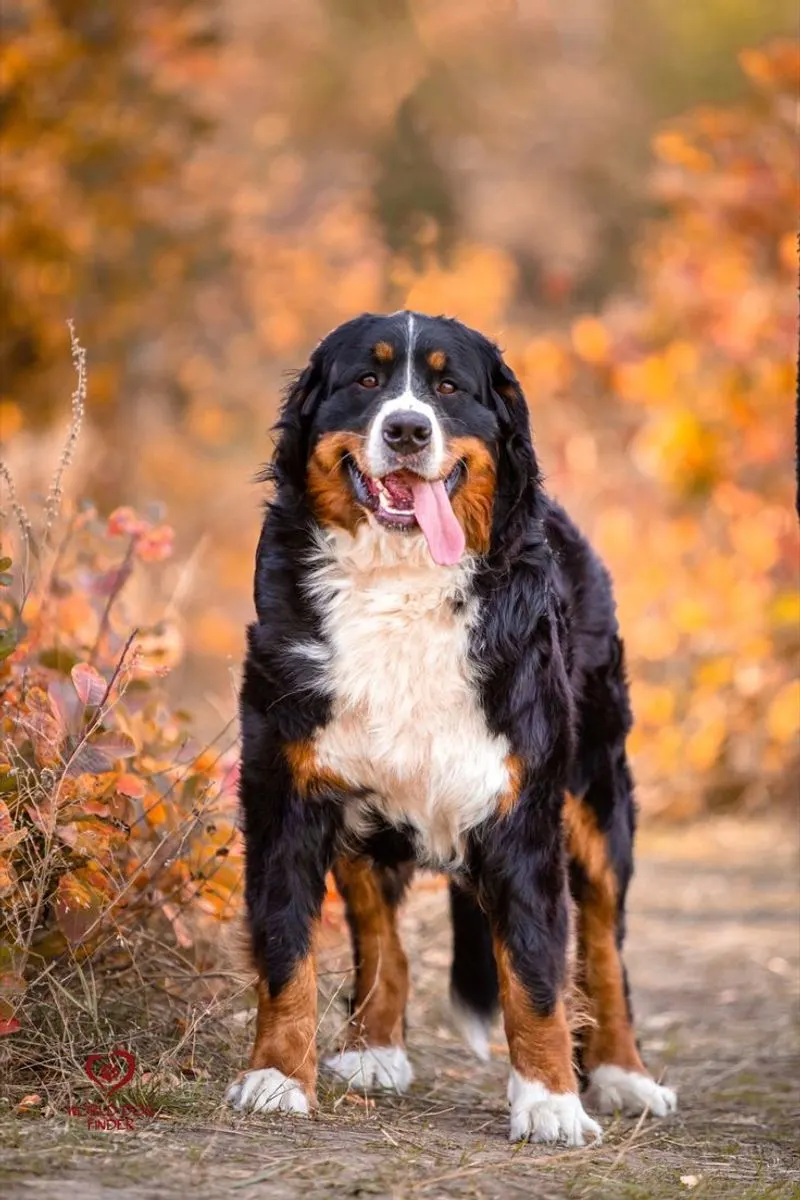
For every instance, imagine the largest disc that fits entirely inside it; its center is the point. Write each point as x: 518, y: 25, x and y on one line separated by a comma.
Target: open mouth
x: 395, y: 500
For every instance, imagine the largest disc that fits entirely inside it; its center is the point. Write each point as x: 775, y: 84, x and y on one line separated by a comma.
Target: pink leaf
x: 89, y: 683
x: 179, y: 927
x: 156, y: 544
x: 65, y: 705
x: 131, y: 786
x: 115, y: 745
x: 87, y: 760
x: 230, y: 780
x: 9, y: 1025
x: 125, y: 520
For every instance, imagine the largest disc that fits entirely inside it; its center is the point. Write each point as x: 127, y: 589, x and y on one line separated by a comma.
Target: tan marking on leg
x: 473, y: 501
x: 384, y: 352
x: 328, y: 486
x: 610, y: 1039
x: 309, y: 778
x: 382, y: 967
x: 516, y: 775
x: 437, y: 360
x: 540, y: 1047
x: 286, y: 1027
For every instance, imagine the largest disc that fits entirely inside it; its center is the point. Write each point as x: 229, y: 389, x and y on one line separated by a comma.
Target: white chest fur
x: 407, y: 725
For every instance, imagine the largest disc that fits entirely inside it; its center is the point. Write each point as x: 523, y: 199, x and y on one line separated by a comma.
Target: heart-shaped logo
x: 110, y: 1071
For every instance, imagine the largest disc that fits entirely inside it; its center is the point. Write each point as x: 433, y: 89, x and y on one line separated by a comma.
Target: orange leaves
x: 8, y: 876
x: 686, y: 387
x: 773, y: 68
x: 679, y: 448
x: 478, y: 285
x: 80, y: 899
x: 105, y: 801
x: 125, y: 522
x: 152, y: 543
x: 546, y: 366
x: 672, y: 147
x: 131, y: 786
x: 90, y: 837
x: 156, y: 544
x: 158, y: 649
x: 783, y: 714
x: 591, y: 341
x: 789, y: 252
x: 89, y: 684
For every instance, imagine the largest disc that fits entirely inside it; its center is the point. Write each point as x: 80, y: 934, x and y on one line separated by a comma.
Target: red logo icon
x: 111, y: 1071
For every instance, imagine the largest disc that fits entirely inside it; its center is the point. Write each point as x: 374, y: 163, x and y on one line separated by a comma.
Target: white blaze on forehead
x: 410, y: 354
x: 407, y: 401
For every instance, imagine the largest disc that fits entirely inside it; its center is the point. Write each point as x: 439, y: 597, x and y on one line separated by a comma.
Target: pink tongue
x: 436, y: 519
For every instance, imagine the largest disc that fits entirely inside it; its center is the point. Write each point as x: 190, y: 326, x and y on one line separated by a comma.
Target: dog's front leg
x: 523, y: 887
x: 290, y: 828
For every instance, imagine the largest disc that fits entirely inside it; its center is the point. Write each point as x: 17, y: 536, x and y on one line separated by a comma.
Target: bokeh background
x: 606, y: 187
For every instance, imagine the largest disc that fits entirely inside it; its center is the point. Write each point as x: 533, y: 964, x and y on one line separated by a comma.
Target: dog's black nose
x: 407, y: 432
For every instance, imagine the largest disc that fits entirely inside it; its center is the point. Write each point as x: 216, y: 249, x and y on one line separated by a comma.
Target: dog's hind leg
x: 474, y: 993
x: 599, y: 829
x: 374, y: 1054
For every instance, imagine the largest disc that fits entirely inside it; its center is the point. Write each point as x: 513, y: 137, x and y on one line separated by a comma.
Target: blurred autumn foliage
x: 113, y: 818
x: 96, y: 119
x: 209, y: 191
x: 698, y: 524
x: 111, y: 815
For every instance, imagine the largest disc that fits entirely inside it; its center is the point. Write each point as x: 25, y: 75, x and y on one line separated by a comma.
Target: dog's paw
x: 473, y: 1028
x: 613, y: 1089
x: 385, y: 1067
x: 539, y: 1115
x: 267, y: 1091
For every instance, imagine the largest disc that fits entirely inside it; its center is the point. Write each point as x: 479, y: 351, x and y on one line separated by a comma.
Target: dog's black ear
x: 293, y: 427
x: 518, y: 497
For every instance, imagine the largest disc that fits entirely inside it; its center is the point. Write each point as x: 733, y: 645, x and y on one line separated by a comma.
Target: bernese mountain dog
x: 435, y: 678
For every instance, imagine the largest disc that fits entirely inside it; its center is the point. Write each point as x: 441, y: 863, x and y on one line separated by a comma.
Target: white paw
x: 538, y: 1115
x: 473, y: 1029
x: 268, y: 1091
x: 613, y: 1089
x: 373, y: 1067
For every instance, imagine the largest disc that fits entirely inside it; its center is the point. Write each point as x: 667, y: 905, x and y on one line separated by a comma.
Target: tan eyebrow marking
x: 437, y: 360
x: 384, y: 352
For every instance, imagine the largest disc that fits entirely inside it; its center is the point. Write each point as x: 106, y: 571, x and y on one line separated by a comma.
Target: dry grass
x: 714, y: 965
x: 124, y: 941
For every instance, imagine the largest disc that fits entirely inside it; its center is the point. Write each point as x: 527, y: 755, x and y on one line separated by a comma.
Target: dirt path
x: 713, y: 957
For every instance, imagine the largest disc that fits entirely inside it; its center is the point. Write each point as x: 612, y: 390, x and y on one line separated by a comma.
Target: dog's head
x: 412, y: 423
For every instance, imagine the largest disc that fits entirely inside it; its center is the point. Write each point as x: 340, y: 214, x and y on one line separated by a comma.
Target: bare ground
x: 713, y: 957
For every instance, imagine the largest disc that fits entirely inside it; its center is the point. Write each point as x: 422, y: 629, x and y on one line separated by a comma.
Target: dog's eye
x: 369, y: 380
x: 446, y: 387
